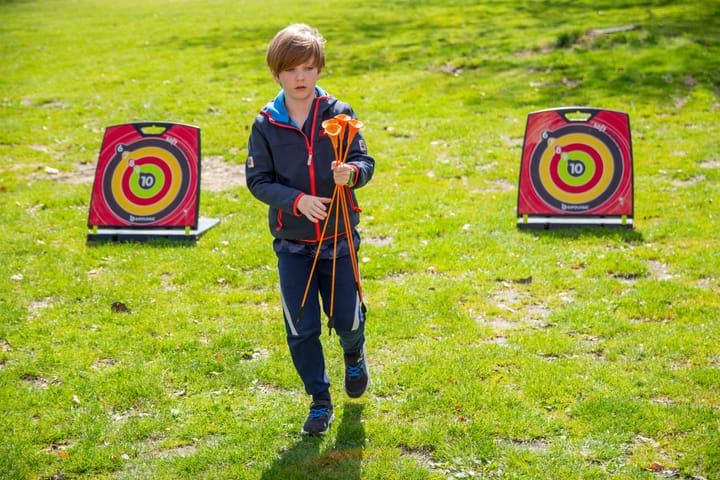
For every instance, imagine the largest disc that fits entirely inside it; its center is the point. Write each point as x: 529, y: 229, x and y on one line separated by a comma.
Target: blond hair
x: 296, y: 45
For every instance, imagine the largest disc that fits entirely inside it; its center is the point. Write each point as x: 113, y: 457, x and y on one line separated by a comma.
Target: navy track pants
x: 303, y: 335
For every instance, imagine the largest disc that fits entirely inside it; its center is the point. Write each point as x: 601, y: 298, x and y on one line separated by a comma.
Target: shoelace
x: 318, y: 412
x: 355, y: 370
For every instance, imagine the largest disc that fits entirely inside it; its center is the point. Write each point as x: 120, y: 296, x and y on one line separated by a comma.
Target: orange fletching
x: 353, y: 126
x: 334, y: 131
x: 329, y: 122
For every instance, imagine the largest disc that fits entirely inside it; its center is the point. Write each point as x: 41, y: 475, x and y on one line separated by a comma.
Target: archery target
x: 147, y: 180
x: 576, y: 168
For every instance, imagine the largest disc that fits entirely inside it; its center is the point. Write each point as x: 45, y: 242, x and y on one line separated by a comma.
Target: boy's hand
x: 342, y: 174
x: 313, y: 207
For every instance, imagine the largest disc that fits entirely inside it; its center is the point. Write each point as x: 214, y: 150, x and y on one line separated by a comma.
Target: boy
x: 291, y: 167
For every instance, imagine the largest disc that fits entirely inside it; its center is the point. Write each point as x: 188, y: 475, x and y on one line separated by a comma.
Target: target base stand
x: 147, y: 184
x: 541, y: 222
x: 136, y: 235
x: 576, y: 169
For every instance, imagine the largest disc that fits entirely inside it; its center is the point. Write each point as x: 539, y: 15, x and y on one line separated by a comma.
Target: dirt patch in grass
x: 103, y: 363
x: 379, y: 241
x: 133, y: 413
x: 709, y: 283
x: 217, y: 174
x: 178, y: 451
x: 710, y: 164
x: 500, y: 323
x: 533, y: 445
x: 39, y: 382
x: 499, y: 340
x: 694, y: 180
x: 423, y: 455
x: 519, y: 302
x: 499, y: 186
x: 660, y: 270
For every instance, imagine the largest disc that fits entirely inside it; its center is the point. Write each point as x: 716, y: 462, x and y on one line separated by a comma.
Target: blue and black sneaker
x: 319, y: 419
x: 357, y: 375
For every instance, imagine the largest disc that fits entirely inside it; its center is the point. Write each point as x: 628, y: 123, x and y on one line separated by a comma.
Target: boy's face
x: 299, y: 82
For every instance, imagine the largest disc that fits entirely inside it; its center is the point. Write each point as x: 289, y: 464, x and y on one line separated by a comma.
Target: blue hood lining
x: 279, y: 113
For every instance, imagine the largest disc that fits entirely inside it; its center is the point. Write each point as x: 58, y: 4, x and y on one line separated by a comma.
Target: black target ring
x: 117, y: 192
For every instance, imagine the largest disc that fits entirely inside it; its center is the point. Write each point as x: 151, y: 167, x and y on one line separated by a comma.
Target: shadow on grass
x: 145, y: 241
x: 304, y: 460
x: 627, y: 235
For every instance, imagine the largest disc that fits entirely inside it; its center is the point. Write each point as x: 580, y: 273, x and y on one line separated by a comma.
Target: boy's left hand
x: 341, y: 173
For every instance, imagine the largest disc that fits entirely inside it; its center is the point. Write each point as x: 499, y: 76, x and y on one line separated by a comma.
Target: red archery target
x: 147, y: 179
x: 576, y: 167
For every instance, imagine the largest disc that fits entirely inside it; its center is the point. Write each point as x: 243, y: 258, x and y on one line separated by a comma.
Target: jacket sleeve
x: 261, y: 177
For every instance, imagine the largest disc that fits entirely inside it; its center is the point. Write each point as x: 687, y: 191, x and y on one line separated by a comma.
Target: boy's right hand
x: 314, y: 208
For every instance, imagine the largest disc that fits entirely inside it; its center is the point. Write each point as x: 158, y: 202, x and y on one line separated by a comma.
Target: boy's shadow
x: 342, y: 461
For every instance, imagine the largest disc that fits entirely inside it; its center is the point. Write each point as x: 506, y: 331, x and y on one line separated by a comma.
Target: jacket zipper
x: 311, y: 170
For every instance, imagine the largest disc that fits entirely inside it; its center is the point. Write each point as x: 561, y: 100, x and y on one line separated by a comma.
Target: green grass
x: 495, y: 353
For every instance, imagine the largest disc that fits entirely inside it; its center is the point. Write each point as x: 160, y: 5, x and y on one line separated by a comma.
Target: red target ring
x: 142, y: 186
x: 576, y: 170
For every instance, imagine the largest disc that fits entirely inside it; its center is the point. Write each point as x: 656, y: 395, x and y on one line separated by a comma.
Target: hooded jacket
x: 286, y: 162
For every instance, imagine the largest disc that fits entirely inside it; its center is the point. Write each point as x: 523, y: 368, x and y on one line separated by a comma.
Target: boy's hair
x: 296, y: 45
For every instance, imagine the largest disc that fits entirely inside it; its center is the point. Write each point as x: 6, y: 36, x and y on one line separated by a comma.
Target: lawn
x: 495, y: 352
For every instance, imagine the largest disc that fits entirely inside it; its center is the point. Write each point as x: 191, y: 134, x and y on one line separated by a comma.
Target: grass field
x: 495, y: 352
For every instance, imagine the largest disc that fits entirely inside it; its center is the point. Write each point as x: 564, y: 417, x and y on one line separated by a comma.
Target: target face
x: 576, y: 167
x: 147, y: 179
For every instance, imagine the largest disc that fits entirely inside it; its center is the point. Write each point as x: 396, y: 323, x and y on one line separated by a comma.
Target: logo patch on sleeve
x: 250, y: 162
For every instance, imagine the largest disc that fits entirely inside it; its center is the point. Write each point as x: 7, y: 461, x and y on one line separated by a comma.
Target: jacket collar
x: 277, y: 111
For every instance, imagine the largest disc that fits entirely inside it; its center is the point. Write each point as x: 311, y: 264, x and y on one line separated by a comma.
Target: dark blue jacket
x: 286, y: 162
